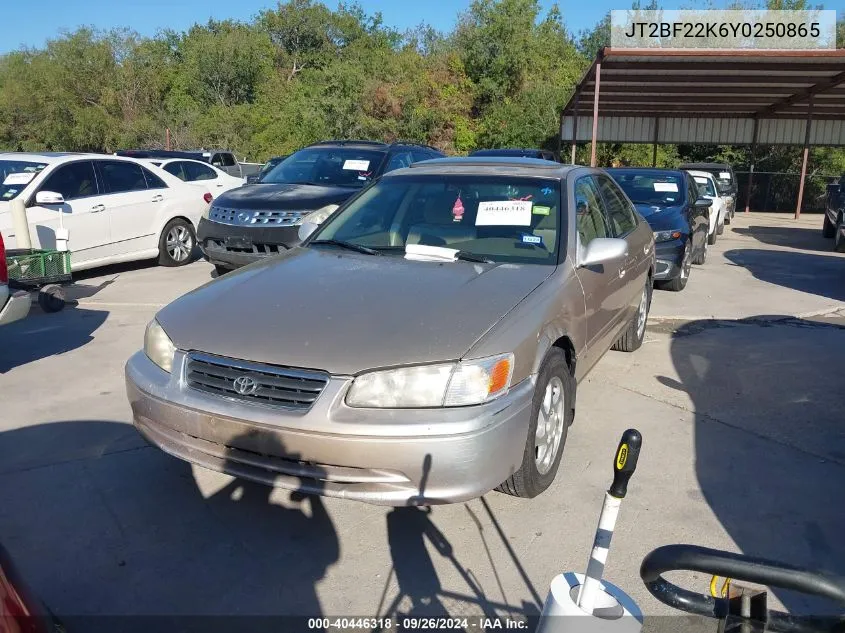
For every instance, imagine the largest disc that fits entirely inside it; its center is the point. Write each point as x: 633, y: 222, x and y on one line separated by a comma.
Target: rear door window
x: 197, y: 171
x: 76, y: 180
x: 153, y: 181
x: 177, y: 168
x: 224, y: 159
x: 120, y: 176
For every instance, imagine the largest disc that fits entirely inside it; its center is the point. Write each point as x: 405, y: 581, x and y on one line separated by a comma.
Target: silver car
x: 423, y: 345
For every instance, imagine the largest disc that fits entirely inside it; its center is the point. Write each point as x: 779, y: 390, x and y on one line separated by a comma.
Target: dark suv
x: 255, y: 221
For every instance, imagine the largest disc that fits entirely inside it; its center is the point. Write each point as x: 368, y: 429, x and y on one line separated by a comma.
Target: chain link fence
x: 778, y: 191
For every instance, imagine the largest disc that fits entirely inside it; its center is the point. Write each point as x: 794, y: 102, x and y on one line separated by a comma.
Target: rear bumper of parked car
x: 236, y: 246
x: 17, y: 307
x: 669, y: 257
x: 380, y: 456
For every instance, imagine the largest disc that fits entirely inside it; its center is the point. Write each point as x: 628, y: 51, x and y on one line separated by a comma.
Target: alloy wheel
x: 550, y: 421
x: 179, y: 243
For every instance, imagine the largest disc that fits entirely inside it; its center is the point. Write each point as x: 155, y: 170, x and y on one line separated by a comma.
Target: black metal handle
x: 625, y: 462
x: 738, y: 567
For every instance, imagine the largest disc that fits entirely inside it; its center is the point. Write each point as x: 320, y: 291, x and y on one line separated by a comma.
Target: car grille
x: 282, y: 387
x: 255, y: 217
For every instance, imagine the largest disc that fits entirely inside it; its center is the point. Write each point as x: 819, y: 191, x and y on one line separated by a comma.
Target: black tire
x: 838, y: 238
x: 634, y: 334
x: 51, y: 298
x: 728, y: 219
x: 528, y: 481
x: 177, y: 237
x: 828, y: 228
x: 711, y: 238
x: 701, y: 256
x: 680, y: 282
x: 720, y: 228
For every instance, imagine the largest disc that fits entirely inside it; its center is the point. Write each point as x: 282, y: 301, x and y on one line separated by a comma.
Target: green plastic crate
x: 38, y: 267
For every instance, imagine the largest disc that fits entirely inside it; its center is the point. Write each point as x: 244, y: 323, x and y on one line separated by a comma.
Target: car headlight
x: 158, y: 347
x: 666, y: 236
x: 320, y: 215
x: 442, y: 385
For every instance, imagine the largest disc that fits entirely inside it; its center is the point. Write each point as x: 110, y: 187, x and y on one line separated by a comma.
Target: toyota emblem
x: 245, y: 385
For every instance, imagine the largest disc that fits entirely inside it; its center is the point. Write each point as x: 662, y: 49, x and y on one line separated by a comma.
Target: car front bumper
x: 16, y: 308
x: 669, y: 257
x: 380, y: 456
x: 234, y: 246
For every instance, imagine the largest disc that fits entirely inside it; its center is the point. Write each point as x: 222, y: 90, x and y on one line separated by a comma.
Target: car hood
x: 270, y: 196
x: 323, y: 308
x: 661, y: 218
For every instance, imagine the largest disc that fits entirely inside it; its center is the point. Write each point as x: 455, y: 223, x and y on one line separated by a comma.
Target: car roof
x: 645, y: 170
x: 498, y: 165
x: 53, y: 158
x: 507, y: 152
x: 700, y: 173
x: 705, y: 166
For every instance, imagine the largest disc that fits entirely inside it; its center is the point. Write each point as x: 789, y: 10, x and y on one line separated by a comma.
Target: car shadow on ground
x: 822, y: 275
x: 769, y: 438
x: 809, y: 239
x: 134, y: 535
x: 41, y: 335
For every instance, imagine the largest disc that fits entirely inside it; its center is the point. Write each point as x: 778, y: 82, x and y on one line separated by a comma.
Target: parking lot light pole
x: 804, y: 159
x: 595, y: 111
x: 751, y: 166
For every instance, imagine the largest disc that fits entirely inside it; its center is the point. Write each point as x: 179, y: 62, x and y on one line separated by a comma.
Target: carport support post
x: 804, y: 160
x: 654, y: 148
x: 751, y: 166
x: 595, y: 114
x: 575, y: 125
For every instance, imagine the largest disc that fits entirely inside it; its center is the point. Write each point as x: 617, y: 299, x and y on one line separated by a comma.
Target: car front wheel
x: 552, y: 413
x: 176, y: 244
x: 634, y: 334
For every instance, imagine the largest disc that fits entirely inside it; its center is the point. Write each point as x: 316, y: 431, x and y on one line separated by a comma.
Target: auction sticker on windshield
x: 19, y: 178
x: 356, y: 165
x: 665, y: 186
x: 504, y: 213
x: 724, y: 175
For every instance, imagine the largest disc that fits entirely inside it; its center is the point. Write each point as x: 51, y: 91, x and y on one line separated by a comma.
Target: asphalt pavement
x: 737, y: 392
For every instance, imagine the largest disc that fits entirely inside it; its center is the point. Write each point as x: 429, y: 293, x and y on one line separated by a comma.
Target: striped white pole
x: 598, y: 557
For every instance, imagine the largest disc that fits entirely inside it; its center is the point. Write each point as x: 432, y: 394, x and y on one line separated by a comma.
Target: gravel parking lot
x: 737, y: 392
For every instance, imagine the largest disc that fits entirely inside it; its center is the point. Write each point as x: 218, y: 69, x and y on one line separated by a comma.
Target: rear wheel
x: 551, y: 415
x: 711, y: 237
x: 176, y: 244
x: 828, y: 228
x: 701, y: 256
x: 634, y: 334
x: 839, y: 237
x: 51, y: 298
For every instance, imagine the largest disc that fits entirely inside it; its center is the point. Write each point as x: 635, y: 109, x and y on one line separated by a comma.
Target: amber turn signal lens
x: 499, y: 375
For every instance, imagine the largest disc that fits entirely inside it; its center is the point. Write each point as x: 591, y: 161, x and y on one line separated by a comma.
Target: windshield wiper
x: 352, y: 247
x: 472, y: 257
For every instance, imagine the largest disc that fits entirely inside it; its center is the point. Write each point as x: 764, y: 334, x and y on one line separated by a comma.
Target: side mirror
x: 703, y: 203
x: 47, y: 198
x: 602, y: 250
x: 306, y: 229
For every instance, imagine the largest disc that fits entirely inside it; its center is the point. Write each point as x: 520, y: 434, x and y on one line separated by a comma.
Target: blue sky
x: 25, y: 27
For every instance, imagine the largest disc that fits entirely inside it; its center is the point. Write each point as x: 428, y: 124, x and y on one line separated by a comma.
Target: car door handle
x: 158, y: 197
x: 97, y: 208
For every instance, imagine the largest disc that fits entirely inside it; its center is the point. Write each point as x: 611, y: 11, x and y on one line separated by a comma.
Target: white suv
x: 115, y: 209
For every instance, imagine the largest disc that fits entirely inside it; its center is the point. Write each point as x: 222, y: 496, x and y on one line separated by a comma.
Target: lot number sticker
x: 504, y: 213
x: 356, y: 165
x: 665, y: 186
x: 724, y: 175
x: 20, y: 178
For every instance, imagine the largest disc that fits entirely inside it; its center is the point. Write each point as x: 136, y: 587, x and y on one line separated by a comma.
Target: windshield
x: 15, y: 175
x: 705, y: 186
x: 513, y: 220
x: 328, y: 166
x: 653, y: 189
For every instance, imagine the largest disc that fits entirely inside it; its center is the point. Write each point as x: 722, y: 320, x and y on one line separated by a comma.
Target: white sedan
x: 114, y: 209
x: 196, y: 172
x: 707, y: 189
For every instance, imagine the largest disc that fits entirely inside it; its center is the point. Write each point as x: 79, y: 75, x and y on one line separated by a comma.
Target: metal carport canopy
x: 719, y: 97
